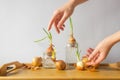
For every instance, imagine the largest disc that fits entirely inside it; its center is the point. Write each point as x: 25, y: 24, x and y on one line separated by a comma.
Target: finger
x: 92, y: 55
x: 62, y: 21
x: 96, y: 57
x: 56, y: 28
x: 98, y: 60
x: 89, y: 51
x: 52, y: 21
x: 86, y: 55
x: 62, y: 28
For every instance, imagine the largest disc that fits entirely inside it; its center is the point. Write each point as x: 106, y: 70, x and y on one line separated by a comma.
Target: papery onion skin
x: 80, y: 65
x: 60, y: 65
x: 37, y: 61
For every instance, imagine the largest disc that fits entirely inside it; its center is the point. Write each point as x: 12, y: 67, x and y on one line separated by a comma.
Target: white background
x: 21, y: 23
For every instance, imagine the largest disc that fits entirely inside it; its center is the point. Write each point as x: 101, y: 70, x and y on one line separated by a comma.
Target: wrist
x: 114, y: 38
x: 74, y: 3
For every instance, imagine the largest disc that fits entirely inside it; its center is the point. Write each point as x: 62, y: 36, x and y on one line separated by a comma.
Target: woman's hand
x: 97, y: 55
x: 62, y: 14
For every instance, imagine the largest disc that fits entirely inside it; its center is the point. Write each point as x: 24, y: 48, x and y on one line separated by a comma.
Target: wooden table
x: 105, y: 72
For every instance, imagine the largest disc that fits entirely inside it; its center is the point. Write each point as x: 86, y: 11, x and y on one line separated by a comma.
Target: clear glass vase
x: 48, y: 61
x: 70, y: 57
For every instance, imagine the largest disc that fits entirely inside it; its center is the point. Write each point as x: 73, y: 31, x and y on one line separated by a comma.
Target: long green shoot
x: 40, y: 39
x: 78, y: 52
x: 49, y: 36
x: 71, y: 25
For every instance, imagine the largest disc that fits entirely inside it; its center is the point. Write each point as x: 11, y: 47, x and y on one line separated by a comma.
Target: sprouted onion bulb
x: 72, y: 41
x: 80, y: 65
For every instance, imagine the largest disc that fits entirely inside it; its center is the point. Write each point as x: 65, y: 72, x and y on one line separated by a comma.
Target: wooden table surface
x: 104, y: 72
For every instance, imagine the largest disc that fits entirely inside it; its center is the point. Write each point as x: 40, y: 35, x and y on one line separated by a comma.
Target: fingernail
x: 63, y: 25
x: 58, y: 32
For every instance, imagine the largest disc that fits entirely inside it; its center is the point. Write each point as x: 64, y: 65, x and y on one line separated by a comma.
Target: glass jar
x: 70, y: 57
x: 49, y: 60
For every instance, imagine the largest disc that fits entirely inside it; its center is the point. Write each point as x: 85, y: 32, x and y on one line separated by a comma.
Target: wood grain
x: 105, y: 72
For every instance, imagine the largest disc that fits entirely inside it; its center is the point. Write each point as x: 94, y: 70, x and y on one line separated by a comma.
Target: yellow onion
x: 60, y: 65
x: 49, y: 50
x: 72, y: 41
x: 37, y: 61
x: 80, y: 65
x: 85, y: 60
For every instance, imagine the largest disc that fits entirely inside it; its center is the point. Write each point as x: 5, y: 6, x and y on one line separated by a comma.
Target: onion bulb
x: 72, y: 41
x: 60, y: 65
x: 49, y: 50
x: 80, y: 65
x: 37, y: 61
